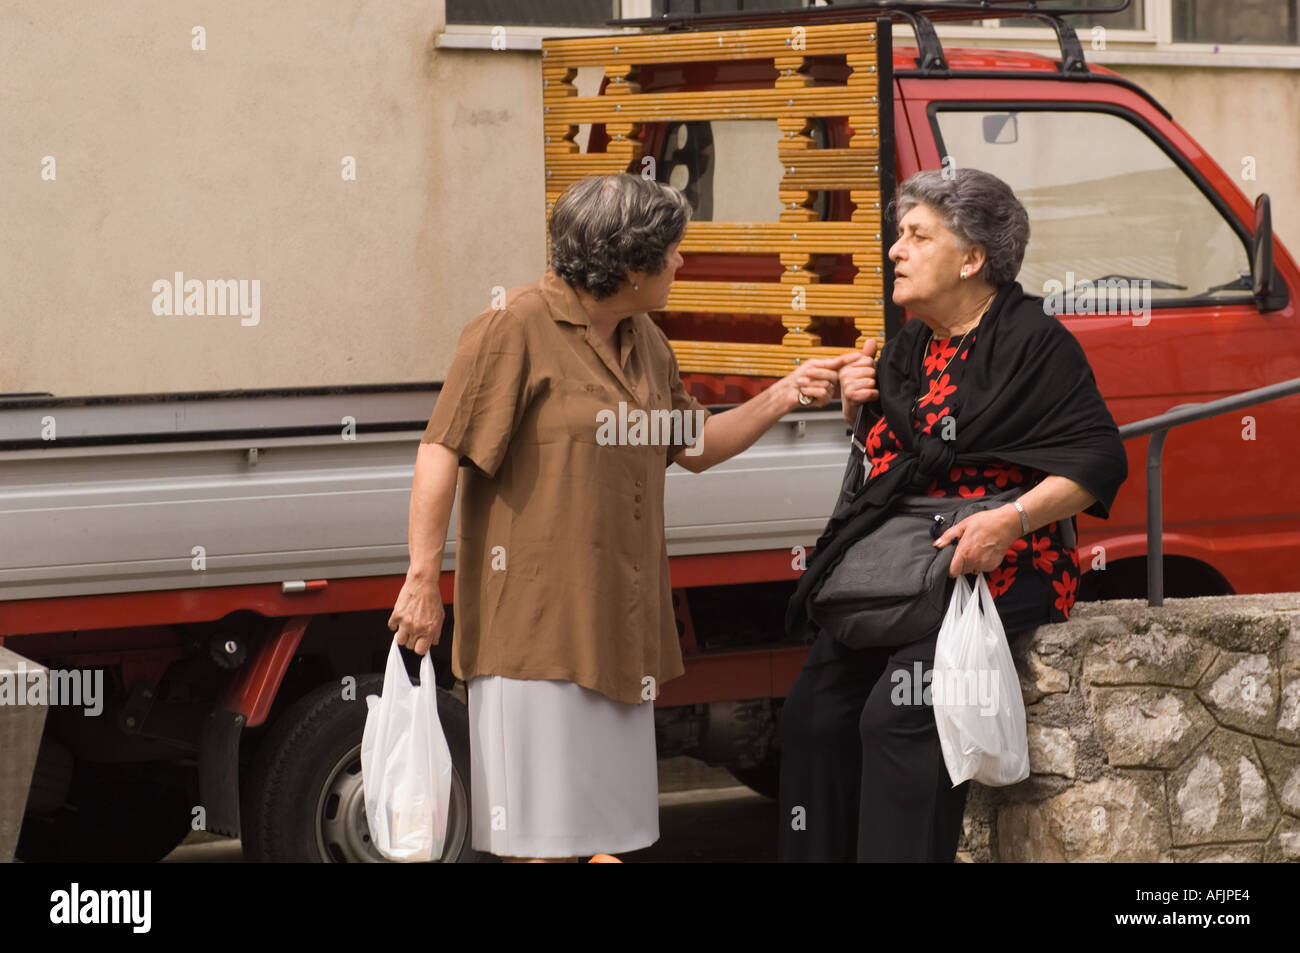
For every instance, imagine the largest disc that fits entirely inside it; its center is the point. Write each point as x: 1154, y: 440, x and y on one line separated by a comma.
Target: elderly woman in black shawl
x: 986, y: 391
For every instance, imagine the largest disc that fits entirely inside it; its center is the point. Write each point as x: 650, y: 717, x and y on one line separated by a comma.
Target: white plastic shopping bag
x: 406, y: 766
x: 976, y: 693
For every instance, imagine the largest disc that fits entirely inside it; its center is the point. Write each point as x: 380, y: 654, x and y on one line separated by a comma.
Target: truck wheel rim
x: 342, y: 832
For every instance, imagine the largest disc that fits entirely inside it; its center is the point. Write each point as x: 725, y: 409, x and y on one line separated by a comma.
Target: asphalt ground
x: 704, y: 817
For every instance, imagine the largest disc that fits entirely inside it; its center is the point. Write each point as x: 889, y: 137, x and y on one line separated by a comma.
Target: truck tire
x: 303, y: 801
x: 115, y: 813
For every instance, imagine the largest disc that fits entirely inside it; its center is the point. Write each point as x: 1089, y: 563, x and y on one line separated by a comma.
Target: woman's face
x: 928, y: 260
x: 652, y: 294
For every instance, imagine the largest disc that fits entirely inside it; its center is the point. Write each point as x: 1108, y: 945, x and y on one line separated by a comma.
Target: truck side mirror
x: 1001, y: 129
x: 1270, y: 292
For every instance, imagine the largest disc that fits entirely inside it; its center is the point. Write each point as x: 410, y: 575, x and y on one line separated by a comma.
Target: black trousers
x: 862, y: 773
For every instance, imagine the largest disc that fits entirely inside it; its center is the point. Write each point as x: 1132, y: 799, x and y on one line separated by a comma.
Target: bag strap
x: 861, y: 427
x: 1069, y: 534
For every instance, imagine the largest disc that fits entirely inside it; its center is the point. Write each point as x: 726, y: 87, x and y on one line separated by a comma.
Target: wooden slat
x: 713, y: 104
x: 775, y: 237
x: 563, y: 171
x: 755, y: 360
x: 814, y: 169
x: 727, y: 297
x: 831, y: 169
x: 825, y: 40
x: 806, y: 169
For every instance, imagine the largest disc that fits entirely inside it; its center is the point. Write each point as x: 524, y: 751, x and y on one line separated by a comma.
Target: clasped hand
x: 982, y: 539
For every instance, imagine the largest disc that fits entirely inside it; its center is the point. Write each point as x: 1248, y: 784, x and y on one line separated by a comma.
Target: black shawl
x: 1027, y: 396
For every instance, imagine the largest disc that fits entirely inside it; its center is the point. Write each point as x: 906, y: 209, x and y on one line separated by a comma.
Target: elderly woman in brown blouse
x: 561, y: 411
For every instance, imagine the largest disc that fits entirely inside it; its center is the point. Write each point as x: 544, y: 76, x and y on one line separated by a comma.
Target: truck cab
x: 1116, y: 189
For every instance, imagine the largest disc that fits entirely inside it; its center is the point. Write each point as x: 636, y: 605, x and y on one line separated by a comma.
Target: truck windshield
x: 1104, y: 200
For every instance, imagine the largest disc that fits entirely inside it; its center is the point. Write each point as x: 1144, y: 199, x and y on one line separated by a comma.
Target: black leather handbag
x: 891, y: 587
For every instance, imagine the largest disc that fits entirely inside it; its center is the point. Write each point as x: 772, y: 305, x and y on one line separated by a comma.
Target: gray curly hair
x: 604, y: 226
x: 977, y: 207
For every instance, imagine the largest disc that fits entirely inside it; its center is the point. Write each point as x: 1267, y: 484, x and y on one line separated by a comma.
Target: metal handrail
x: 1158, y: 427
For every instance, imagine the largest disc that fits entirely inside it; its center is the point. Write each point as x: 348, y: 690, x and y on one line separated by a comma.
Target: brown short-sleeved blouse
x: 561, y: 565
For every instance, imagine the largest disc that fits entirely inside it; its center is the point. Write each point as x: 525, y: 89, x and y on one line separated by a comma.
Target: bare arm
x: 1056, y: 498
x: 728, y: 433
x: 418, y: 613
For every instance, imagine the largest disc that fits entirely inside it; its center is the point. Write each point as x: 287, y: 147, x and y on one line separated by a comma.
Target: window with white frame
x: 575, y: 13
x: 1257, y: 22
x: 596, y: 14
x: 1130, y: 19
x: 676, y: 7
x: 1202, y: 22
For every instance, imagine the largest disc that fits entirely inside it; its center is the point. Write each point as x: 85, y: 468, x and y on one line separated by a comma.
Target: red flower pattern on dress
x: 933, y: 418
x: 1000, y: 580
x: 1041, y: 551
x: 881, y: 465
x: 1007, y: 475
x: 939, y: 391
x: 1065, y: 590
x: 1044, y: 555
x: 938, y: 357
x: 874, y: 437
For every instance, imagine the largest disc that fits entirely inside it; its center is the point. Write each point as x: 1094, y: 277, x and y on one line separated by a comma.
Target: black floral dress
x: 1039, y: 576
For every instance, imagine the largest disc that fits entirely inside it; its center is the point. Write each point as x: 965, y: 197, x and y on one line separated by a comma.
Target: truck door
x: 1118, y: 196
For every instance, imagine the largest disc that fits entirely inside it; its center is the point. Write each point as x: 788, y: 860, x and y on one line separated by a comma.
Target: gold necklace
x: 916, y: 404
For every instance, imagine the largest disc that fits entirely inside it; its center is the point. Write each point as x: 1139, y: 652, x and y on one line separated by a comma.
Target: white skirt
x: 558, y: 770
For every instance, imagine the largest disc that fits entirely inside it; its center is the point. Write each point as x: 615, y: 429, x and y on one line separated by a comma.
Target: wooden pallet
x: 757, y: 360
x: 798, y: 298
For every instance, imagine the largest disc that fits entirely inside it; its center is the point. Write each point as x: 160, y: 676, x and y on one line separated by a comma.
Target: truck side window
x: 1104, y: 202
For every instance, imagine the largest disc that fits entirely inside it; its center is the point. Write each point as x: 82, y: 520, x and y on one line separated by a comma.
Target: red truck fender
x: 246, y: 704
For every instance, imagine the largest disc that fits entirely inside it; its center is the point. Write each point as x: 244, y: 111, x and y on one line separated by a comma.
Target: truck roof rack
x: 921, y: 17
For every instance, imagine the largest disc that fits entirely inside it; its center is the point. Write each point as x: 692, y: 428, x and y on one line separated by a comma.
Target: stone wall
x: 20, y: 740
x: 1155, y: 734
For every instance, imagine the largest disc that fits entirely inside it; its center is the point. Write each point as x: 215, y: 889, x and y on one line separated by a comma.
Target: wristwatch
x: 1024, y: 520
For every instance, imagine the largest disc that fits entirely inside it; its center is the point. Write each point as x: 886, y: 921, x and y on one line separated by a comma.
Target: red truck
x: 228, y: 561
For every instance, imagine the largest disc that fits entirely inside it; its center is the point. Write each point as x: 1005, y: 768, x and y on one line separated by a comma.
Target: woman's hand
x: 983, y: 539
x: 418, y: 614
x: 858, y: 380
x: 815, y: 378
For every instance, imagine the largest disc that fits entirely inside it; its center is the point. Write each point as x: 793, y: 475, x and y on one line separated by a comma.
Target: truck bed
x: 267, y: 484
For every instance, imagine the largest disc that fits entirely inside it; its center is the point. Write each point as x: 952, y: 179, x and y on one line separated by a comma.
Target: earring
x: 965, y: 273
x: 637, y: 287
